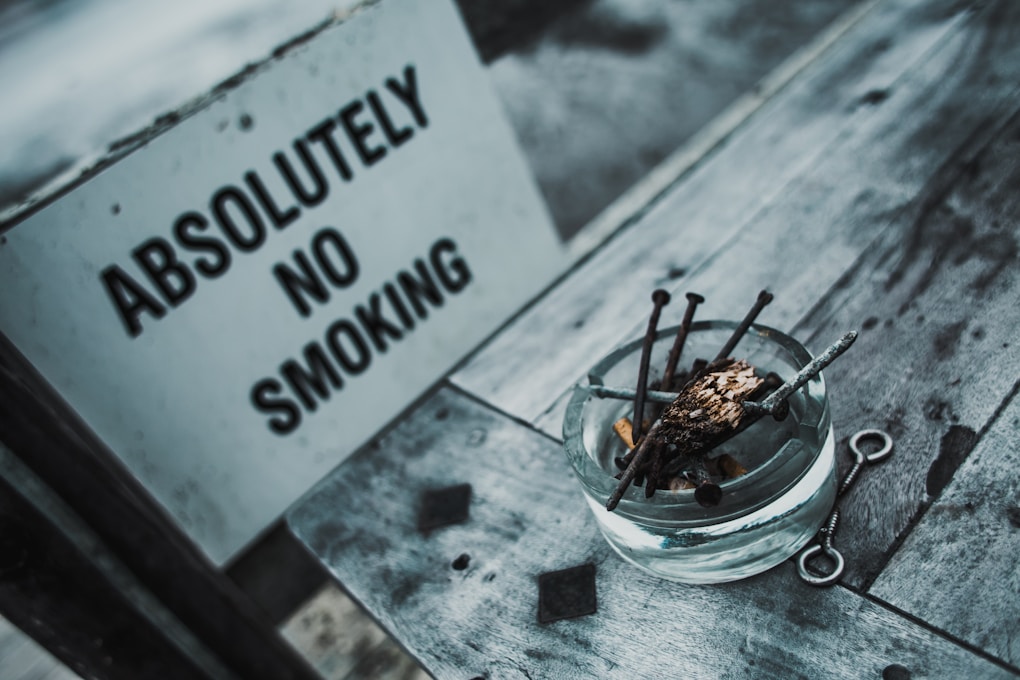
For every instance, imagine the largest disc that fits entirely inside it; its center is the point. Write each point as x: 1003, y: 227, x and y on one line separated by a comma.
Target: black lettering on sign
x: 286, y: 413
x: 454, y: 274
x: 398, y: 306
x: 347, y: 273
x: 245, y: 240
x: 394, y: 136
x: 407, y: 92
x: 280, y: 219
x: 157, y: 257
x: 304, y: 381
x: 308, y: 198
x: 184, y: 229
x: 334, y: 335
x: 313, y: 380
x: 416, y: 289
x: 334, y: 258
x: 381, y: 119
x: 323, y: 133
x: 130, y: 299
x: 375, y: 324
x: 357, y: 132
x: 299, y: 284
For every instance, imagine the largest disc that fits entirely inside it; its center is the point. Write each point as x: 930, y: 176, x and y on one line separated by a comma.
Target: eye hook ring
x: 838, y: 565
x: 877, y: 456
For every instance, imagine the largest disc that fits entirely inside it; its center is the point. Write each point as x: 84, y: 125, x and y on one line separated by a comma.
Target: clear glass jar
x: 765, y: 515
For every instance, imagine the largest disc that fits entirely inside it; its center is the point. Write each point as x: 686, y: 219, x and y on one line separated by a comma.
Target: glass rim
x: 598, y: 483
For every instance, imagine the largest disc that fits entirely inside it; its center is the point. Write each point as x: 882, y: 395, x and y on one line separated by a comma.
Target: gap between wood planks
x: 495, y: 416
x: 925, y: 505
x: 964, y: 138
x: 936, y: 189
x: 976, y: 651
x: 940, y: 185
x: 642, y: 197
x: 921, y: 623
x: 944, y: 180
x: 486, y: 366
x: 338, y: 636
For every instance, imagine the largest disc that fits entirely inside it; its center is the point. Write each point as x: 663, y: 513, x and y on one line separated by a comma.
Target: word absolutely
x: 243, y: 213
x: 348, y: 344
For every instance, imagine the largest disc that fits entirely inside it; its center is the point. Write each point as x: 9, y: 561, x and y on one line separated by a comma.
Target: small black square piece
x: 566, y: 594
x: 440, y: 507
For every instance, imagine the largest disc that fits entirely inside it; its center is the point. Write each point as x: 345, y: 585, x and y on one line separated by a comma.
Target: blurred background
x: 597, y: 91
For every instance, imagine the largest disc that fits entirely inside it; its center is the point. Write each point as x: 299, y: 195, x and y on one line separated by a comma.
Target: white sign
x: 240, y: 304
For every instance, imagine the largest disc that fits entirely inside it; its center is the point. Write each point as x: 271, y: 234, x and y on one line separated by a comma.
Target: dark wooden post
x: 52, y: 590
x: 41, y: 430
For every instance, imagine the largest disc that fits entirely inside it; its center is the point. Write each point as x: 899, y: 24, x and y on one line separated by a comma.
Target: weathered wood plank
x: 387, y: 661
x: 606, y: 92
x: 937, y: 297
x: 529, y: 364
x: 332, y: 632
x: 801, y: 244
x: 527, y: 516
x: 343, y: 643
x: 658, y: 179
x: 55, y: 592
x: 44, y: 432
x: 976, y: 594
x: 935, y: 294
x: 883, y: 173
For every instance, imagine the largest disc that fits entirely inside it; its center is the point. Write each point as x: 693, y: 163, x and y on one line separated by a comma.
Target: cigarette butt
x: 730, y: 467
x: 679, y: 484
x: 712, y: 467
x: 623, y: 428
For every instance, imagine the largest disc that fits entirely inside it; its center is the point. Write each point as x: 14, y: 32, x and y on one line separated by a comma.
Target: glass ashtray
x: 764, y: 515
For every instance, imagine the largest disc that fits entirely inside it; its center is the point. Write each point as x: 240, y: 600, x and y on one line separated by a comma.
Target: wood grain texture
x: 690, y: 154
x: 528, y: 517
x: 343, y: 643
x: 332, y: 632
x: 936, y: 296
x: 936, y: 183
x: 878, y: 192
x: 609, y: 89
x: 387, y: 661
x: 865, y: 183
x: 975, y: 595
x: 526, y: 367
x: 861, y: 239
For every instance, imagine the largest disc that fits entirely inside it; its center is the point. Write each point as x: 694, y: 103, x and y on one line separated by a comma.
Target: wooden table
x: 878, y: 190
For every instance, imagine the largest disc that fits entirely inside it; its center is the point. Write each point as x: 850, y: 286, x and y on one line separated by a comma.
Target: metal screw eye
x: 860, y: 459
x: 877, y: 456
x: 838, y: 564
